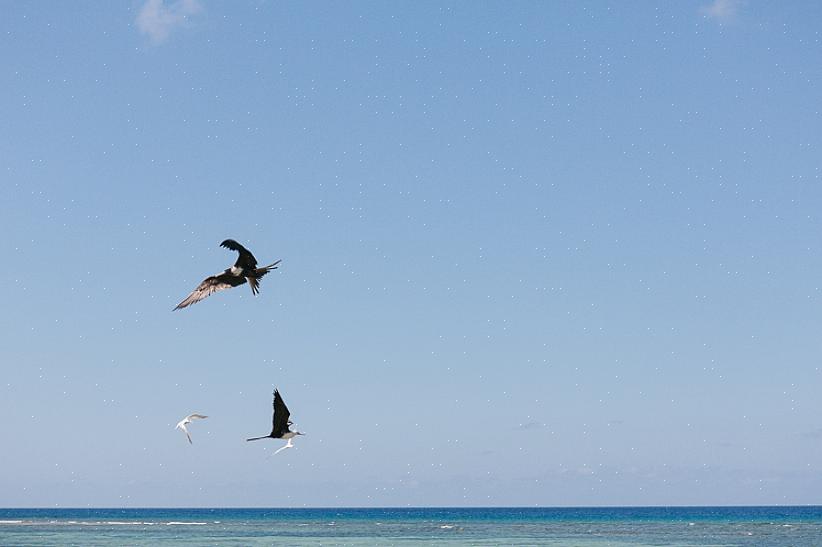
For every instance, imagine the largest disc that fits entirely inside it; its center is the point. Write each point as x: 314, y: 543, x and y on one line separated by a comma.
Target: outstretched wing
x: 246, y: 260
x: 281, y: 415
x: 195, y: 417
x: 209, y: 286
x: 182, y: 426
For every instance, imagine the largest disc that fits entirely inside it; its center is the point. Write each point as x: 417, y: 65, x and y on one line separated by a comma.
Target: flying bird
x: 280, y: 427
x: 244, y: 270
x: 187, y: 420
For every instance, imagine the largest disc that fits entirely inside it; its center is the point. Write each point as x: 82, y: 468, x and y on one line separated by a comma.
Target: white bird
x: 187, y: 420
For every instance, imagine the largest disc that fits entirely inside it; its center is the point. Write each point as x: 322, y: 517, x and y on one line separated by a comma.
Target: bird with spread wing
x: 281, y: 424
x: 187, y: 420
x: 245, y: 270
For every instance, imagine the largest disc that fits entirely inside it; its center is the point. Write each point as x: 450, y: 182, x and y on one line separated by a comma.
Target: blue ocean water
x: 605, y: 526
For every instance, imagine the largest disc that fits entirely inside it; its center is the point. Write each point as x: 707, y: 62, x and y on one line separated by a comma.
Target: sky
x: 533, y: 253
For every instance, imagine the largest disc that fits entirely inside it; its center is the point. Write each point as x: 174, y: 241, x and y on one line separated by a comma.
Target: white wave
x: 186, y: 523
x: 11, y: 522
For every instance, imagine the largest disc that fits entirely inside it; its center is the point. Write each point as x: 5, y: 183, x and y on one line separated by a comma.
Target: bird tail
x: 258, y: 273
x: 257, y: 438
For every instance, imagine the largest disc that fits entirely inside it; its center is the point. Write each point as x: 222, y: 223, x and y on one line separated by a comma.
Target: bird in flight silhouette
x: 244, y: 270
x: 281, y: 424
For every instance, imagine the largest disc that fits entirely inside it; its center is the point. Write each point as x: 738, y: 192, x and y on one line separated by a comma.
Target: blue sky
x: 558, y: 253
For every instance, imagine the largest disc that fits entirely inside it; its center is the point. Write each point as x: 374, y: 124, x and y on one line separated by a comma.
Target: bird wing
x: 246, y: 260
x: 281, y: 414
x: 182, y: 425
x: 287, y: 445
x: 195, y: 417
x: 209, y: 286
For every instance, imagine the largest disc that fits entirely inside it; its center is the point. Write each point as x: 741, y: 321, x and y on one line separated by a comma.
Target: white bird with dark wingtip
x: 244, y: 270
x: 280, y: 427
x: 187, y: 420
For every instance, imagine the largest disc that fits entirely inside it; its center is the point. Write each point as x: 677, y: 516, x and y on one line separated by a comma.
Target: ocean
x: 605, y: 526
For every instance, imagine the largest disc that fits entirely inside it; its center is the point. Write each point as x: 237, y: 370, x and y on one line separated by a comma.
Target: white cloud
x: 721, y: 10
x: 157, y: 18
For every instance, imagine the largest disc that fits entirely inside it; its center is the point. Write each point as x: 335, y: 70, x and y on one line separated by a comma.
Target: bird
x: 244, y: 270
x: 187, y: 420
x: 280, y: 427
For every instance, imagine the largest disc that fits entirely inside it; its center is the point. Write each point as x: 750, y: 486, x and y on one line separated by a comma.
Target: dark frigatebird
x: 280, y: 428
x: 244, y: 270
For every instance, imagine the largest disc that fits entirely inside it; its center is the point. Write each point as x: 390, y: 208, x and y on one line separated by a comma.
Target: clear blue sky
x: 554, y: 253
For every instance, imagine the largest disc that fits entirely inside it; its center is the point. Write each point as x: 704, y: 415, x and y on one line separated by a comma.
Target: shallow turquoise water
x: 651, y: 526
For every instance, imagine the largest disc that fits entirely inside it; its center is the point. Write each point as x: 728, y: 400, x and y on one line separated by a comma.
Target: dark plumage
x: 244, y: 270
x: 280, y: 427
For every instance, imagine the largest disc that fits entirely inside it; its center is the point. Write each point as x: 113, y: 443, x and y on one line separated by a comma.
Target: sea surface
x: 605, y: 526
